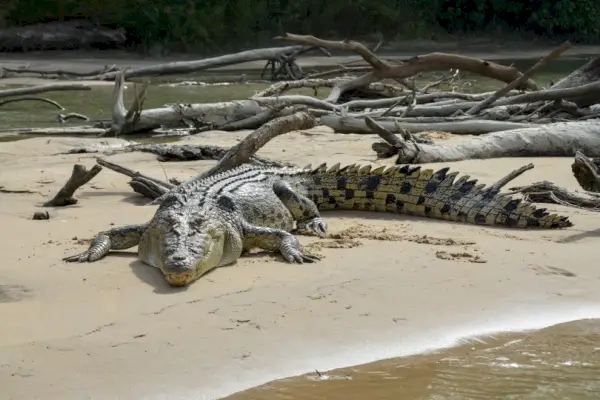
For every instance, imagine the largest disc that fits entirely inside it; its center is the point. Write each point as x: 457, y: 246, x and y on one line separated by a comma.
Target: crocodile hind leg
x: 303, y: 209
x: 120, y: 238
x: 272, y: 239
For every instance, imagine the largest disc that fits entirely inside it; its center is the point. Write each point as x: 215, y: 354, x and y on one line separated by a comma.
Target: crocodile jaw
x: 185, y: 255
x: 186, y: 271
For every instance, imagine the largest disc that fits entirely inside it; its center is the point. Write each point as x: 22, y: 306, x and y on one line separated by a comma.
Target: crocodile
x: 208, y: 223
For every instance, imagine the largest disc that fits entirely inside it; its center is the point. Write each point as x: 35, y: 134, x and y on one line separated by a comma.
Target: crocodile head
x: 184, y: 245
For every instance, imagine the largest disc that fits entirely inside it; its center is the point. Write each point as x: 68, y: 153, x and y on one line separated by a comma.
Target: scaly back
x: 424, y: 192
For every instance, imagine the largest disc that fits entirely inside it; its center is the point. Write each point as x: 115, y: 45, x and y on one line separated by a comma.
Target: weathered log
x: 520, y: 80
x: 74, y: 34
x: 587, y: 73
x: 448, y: 108
x: 55, y: 73
x: 167, y: 152
x: 80, y: 176
x: 587, y: 172
x: 548, y: 192
x: 559, y: 139
x: 135, y: 119
x: 429, y: 62
x: 241, y: 152
x: 142, y: 184
x: 470, y: 127
x: 53, y: 87
x: 186, y: 67
x: 31, y: 98
x: 65, y: 131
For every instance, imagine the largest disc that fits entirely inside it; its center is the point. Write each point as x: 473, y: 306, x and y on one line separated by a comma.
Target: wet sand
x: 114, y: 328
x: 558, y: 362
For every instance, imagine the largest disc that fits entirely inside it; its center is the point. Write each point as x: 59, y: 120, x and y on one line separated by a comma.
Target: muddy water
x: 559, y: 362
x: 97, y: 103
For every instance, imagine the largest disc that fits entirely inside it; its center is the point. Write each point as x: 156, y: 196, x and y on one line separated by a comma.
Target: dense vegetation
x: 208, y: 25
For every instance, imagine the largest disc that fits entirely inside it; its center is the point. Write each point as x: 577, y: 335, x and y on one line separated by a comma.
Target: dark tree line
x: 213, y: 25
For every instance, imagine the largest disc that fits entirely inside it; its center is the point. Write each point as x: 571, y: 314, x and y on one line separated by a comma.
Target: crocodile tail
x: 412, y: 190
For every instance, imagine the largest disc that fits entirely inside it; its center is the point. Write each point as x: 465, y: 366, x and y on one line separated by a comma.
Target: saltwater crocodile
x: 209, y: 223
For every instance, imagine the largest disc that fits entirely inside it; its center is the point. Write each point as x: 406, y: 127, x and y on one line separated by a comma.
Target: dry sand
x: 114, y: 329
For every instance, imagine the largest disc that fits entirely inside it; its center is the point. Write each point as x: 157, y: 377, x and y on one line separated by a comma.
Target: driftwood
x: 552, y: 140
x: 54, y: 87
x: 471, y: 127
x: 587, y: 172
x: 587, y: 73
x: 174, y: 152
x: 80, y: 176
x: 428, y: 62
x: 548, y: 192
x: 272, y: 54
x: 58, y: 35
x: 142, y: 184
x: 241, y: 152
x: 520, y: 80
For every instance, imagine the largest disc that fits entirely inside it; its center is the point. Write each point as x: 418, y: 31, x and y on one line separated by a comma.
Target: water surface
x: 558, y: 362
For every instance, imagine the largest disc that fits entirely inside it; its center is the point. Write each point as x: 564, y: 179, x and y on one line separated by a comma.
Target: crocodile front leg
x: 120, y: 238
x: 303, y: 209
x: 272, y: 239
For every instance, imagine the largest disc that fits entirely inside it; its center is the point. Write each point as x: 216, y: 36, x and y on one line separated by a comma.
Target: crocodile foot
x: 316, y: 225
x: 99, y: 248
x: 291, y: 251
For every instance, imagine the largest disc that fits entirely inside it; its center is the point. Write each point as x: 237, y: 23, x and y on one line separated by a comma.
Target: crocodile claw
x: 316, y: 225
x: 99, y: 248
x: 290, y: 250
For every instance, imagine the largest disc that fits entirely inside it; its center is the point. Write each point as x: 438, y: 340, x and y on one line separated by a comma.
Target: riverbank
x: 84, y: 61
x: 391, y: 284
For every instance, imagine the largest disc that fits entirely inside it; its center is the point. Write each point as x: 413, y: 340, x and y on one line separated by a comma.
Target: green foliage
x: 225, y: 25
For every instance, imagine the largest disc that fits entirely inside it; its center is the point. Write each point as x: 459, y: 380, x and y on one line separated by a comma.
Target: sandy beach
x: 391, y: 285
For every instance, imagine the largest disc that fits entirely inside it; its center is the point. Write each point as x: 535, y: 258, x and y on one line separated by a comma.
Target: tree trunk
x: 560, y: 139
x: 587, y: 73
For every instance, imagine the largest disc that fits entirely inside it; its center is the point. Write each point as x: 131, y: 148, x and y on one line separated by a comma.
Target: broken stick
x: 79, y: 177
x: 520, y: 80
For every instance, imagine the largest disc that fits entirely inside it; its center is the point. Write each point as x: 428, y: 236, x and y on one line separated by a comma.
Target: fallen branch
x: 166, y: 152
x: 520, y: 80
x: 587, y: 73
x: 586, y: 172
x: 54, y: 103
x: 60, y: 73
x: 467, y: 127
x: 186, y: 67
x: 552, y: 140
x: 548, y: 192
x: 428, y: 62
x: 54, y: 87
x: 66, y: 131
x: 241, y: 152
x: 142, y: 184
x: 79, y: 177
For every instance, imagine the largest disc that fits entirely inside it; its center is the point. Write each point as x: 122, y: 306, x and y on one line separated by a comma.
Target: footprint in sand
x: 12, y: 293
x: 463, y: 256
x: 547, y: 270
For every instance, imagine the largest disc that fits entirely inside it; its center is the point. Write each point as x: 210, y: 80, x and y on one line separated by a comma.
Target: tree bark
x: 428, y: 62
x: 468, y: 127
x: 186, y: 67
x: 552, y: 140
x: 584, y: 75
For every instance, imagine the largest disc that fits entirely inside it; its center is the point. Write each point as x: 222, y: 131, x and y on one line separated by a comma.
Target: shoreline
x: 459, y: 336
x: 114, y: 327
